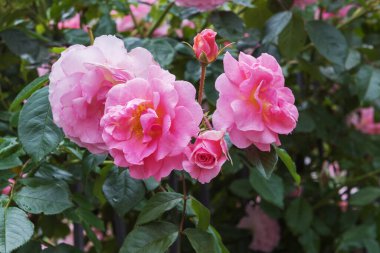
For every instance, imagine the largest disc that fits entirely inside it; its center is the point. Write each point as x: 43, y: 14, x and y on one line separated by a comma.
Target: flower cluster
x: 109, y: 100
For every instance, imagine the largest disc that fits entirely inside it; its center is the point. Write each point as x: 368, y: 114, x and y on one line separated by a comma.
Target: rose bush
x: 189, y: 126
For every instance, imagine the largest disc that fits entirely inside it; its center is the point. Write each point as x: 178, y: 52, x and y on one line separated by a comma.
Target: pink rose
x: 205, y: 48
x: 201, y: 4
x: 43, y: 69
x: 149, y: 123
x: 363, y: 119
x: 253, y: 105
x: 206, y: 156
x: 140, y: 11
x: 80, y: 81
x: 265, y: 230
x: 71, y: 23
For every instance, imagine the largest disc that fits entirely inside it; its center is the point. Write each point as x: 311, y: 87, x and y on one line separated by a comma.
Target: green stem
x: 14, y: 185
x: 91, y: 35
x: 161, y: 18
x: 202, y: 83
x: 181, y: 225
x: 135, y: 23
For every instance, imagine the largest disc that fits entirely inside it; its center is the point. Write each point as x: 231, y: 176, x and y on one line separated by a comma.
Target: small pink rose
x: 206, y: 156
x: 205, y: 48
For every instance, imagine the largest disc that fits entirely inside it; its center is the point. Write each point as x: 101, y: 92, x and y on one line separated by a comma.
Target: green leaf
x: 105, y: 26
x: 8, y: 146
x: 37, y: 132
x: 30, y: 247
x: 50, y: 198
x: 162, y: 51
x: 10, y: 162
x: 201, y: 241
x: 353, y: 59
x: 228, y: 24
x: 292, y: 39
x: 265, y: 162
x: 271, y: 189
x: 299, y: 216
x: 76, y: 36
x: 122, y: 191
x: 89, y: 218
x: 310, y: 241
x: 367, y: 83
x: 16, y: 229
x: 202, y: 213
x: 62, y: 248
x: 287, y: 160
x: 91, y: 161
x: 365, y: 196
x: 157, y: 205
x: 242, y: 188
x: 275, y: 25
x: 328, y: 40
x: 357, y: 237
x: 155, y: 237
x: 261, y: 14
x: 218, y: 238
x: 27, y: 91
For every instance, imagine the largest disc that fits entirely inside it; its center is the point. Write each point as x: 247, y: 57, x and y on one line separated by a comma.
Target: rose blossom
x: 71, y: 23
x: 265, y: 230
x: 205, y: 48
x: 206, y: 156
x: 149, y: 123
x: 342, y: 13
x: 80, y: 80
x: 201, y: 4
x: 303, y: 3
x: 185, y: 23
x: 363, y: 119
x: 253, y: 105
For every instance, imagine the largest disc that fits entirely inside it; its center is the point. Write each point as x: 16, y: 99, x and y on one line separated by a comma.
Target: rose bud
x: 205, y: 48
x: 206, y: 156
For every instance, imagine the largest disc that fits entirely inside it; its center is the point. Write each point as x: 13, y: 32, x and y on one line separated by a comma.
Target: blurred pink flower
x: 7, y: 189
x: 43, y: 69
x: 342, y: 13
x: 265, y: 230
x: 254, y: 106
x: 80, y: 81
x: 206, y: 156
x: 303, y: 3
x: 185, y: 23
x: 363, y: 119
x: 148, y: 123
x: 201, y: 4
x: 140, y: 11
x: 71, y: 23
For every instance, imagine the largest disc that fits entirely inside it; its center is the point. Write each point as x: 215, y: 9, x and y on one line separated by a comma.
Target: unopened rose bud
x: 205, y: 48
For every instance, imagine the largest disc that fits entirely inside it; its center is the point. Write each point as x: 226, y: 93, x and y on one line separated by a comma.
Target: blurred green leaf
x: 228, y: 25
x: 162, y: 51
x: 275, y: 25
x: 201, y: 241
x: 156, y: 237
x: 157, y: 205
x: 328, y: 40
x: 365, y: 196
x: 264, y: 162
x: 271, y: 189
x: 299, y: 216
x: 292, y: 39
x: 367, y: 83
